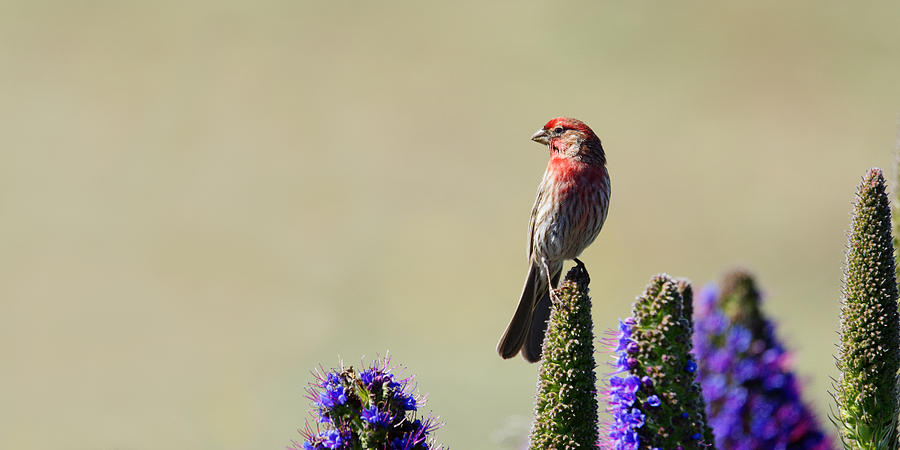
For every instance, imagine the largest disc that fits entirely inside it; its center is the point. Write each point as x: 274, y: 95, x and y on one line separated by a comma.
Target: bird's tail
x: 526, y: 329
x: 531, y: 351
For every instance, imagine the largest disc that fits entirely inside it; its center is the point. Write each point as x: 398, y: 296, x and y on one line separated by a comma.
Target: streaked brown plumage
x: 568, y: 213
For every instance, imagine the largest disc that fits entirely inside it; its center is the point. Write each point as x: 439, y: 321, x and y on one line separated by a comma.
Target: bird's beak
x: 541, y: 137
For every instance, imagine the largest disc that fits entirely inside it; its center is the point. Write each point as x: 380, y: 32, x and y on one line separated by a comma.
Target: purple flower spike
x: 653, y: 361
x: 752, y: 398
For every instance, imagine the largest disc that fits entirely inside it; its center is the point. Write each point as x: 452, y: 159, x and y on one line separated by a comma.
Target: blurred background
x: 200, y: 203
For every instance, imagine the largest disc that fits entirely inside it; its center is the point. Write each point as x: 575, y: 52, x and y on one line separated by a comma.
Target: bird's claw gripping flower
x: 652, y: 395
x: 371, y: 408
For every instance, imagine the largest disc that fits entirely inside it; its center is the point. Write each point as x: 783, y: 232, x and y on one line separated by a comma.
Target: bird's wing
x: 531, y: 223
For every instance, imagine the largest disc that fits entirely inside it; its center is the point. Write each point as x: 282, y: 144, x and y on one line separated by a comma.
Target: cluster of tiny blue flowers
x: 627, y: 415
x: 333, y: 395
x: 753, y: 400
x: 368, y: 409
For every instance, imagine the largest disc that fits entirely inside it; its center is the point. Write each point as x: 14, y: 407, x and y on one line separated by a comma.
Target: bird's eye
x: 557, y: 130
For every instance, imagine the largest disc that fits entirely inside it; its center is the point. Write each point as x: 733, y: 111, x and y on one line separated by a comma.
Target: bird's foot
x: 553, y: 297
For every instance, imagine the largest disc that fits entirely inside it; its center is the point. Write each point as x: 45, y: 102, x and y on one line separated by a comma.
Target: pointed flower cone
x: 653, y: 396
x: 866, y: 392
x: 566, y: 406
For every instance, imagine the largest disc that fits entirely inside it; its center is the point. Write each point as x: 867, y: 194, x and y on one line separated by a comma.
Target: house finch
x: 568, y: 213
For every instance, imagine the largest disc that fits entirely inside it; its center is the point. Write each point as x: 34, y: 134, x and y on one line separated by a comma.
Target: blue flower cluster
x: 626, y: 411
x: 332, y: 396
x: 372, y: 407
x: 329, y: 439
x: 752, y: 399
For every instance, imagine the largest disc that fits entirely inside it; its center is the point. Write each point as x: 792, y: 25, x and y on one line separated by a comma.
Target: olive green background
x: 202, y: 202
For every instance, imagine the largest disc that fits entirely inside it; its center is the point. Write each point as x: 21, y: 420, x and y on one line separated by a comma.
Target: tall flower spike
x: 866, y: 392
x: 653, y: 395
x: 566, y: 407
x: 896, y: 205
x: 752, y: 398
x: 370, y: 409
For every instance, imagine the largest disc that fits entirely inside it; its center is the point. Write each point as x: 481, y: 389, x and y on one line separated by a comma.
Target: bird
x: 568, y: 213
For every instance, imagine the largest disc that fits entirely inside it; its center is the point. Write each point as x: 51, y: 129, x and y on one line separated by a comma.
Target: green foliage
x: 867, y: 392
x: 663, y: 332
x: 566, y: 408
